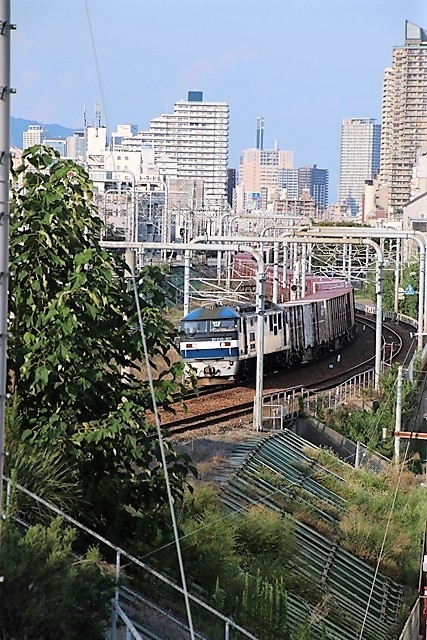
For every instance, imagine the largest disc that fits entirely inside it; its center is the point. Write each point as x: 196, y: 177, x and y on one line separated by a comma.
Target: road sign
x: 409, y: 291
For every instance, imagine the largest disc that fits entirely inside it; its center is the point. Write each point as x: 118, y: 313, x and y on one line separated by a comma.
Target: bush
x: 48, y: 592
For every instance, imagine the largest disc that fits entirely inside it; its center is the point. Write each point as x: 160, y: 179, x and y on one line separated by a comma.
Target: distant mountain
x: 19, y: 125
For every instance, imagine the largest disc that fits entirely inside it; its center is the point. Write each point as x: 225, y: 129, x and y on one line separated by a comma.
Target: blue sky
x: 302, y: 65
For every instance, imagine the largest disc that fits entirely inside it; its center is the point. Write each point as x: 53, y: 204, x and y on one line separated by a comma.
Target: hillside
x: 19, y: 125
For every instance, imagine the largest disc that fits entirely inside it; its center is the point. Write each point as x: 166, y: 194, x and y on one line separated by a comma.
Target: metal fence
x: 280, y: 409
x: 139, y: 617
x: 411, y: 630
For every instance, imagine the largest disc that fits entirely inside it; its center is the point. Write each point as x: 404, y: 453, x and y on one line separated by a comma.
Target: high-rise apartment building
x: 192, y: 143
x: 288, y: 179
x: 76, y: 146
x: 316, y: 181
x: 231, y: 185
x: 359, y: 160
x: 35, y: 134
x: 404, y: 115
x: 259, y: 168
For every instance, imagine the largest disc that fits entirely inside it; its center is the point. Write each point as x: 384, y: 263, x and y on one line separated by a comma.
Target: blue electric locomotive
x: 220, y: 342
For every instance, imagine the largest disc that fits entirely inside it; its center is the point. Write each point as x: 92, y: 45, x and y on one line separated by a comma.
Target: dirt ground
x: 216, y: 451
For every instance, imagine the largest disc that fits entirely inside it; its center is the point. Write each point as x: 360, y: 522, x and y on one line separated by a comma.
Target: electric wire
x: 264, y: 498
x: 160, y: 437
x: 380, y: 555
x: 148, y: 367
x: 392, y: 506
x: 163, y: 453
x: 97, y: 67
x: 295, y: 483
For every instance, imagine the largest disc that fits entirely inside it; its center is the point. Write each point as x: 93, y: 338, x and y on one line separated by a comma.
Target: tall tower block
x: 404, y: 116
x: 359, y: 159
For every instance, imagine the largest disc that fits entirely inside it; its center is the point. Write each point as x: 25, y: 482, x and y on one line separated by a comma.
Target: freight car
x: 220, y: 342
x: 244, y: 271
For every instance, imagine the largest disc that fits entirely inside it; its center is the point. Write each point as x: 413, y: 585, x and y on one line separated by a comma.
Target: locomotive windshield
x: 192, y: 327
x: 221, y: 325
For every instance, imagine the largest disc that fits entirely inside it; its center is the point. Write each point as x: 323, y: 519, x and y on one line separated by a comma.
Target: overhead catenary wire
x: 97, y: 67
x: 148, y: 367
x: 176, y: 535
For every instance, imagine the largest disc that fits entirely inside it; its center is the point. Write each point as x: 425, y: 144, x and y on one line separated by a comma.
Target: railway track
x: 228, y: 401
x: 209, y: 418
x: 389, y: 337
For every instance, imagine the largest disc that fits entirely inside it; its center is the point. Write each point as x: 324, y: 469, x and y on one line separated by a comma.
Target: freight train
x: 220, y: 342
x: 244, y: 270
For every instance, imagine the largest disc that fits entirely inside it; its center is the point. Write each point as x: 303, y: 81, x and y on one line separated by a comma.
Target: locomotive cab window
x: 224, y: 325
x: 192, y: 327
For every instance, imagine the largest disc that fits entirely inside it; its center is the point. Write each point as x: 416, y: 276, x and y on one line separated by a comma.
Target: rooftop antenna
x: 84, y: 116
x: 97, y: 115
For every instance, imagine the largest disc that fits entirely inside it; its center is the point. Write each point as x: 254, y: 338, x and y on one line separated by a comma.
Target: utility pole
x: 398, y: 423
x: 196, y: 245
x: 5, y: 91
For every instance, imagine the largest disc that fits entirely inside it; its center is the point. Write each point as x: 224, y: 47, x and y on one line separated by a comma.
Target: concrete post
x: 398, y: 414
x: 397, y: 276
x: 303, y: 269
x: 275, y: 272
x: 187, y: 263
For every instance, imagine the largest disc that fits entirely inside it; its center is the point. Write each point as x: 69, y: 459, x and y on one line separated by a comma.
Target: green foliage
x: 370, y: 495
x: 47, y: 592
x: 43, y: 471
x: 263, y: 607
x: 209, y: 545
x: 74, y: 350
x: 409, y: 276
x: 265, y: 541
x: 366, y: 426
x: 245, y: 566
x: 242, y: 562
x: 342, y: 223
x: 370, y: 498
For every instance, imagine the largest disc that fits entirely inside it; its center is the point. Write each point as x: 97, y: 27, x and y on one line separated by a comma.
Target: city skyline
x: 303, y: 68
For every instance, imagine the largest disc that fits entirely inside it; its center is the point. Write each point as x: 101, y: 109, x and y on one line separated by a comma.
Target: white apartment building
x: 35, y: 134
x: 359, y: 159
x: 192, y: 143
x: 404, y: 116
x: 288, y: 179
